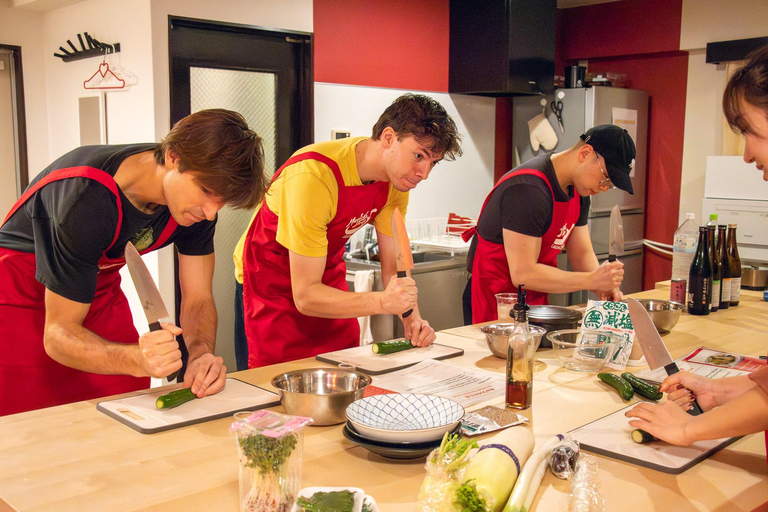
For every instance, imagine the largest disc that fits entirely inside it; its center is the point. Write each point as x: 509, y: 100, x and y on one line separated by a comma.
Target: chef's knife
x: 654, y: 350
x: 403, y: 256
x: 151, y: 300
x: 616, y: 236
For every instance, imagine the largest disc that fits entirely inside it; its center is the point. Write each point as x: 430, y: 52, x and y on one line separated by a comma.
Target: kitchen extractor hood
x: 502, y: 47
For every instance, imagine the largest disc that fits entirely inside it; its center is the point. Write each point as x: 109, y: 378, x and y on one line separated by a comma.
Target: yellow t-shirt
x: 305, y: 197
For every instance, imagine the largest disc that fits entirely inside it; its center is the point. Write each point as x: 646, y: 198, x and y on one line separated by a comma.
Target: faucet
x: 369, y: 241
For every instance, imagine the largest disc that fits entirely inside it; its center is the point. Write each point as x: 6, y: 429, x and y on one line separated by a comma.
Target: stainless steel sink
x: 419, y: 257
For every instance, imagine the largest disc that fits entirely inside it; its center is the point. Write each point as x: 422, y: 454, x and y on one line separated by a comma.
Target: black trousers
x: 241, y: 342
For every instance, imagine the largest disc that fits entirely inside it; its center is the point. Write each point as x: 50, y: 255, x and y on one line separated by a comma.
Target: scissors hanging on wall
x: 557, y: 108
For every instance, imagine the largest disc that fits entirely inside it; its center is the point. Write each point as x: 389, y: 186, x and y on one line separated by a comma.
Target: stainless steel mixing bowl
x: 497, y: 336
x: 321, y: 393
x: 664, y: 313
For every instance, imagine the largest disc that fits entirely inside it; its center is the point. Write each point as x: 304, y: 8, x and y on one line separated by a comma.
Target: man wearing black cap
x: 539, y: 208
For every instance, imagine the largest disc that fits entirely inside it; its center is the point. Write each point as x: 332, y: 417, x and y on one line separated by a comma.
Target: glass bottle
x: 520, y: 356
x: 725, y: 268
x: 700, y: 278
x: 715, y: 263
x: 735, y: 263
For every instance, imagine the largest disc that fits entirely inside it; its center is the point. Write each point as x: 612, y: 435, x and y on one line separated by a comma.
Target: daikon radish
x: 491, y: 473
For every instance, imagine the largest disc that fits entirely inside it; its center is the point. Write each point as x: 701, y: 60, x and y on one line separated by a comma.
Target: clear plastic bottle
x: 713, y: 222
x: 684, y: 247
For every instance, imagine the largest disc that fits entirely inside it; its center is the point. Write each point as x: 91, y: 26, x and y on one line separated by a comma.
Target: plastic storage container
x: 270, y: 448
x: 684, y: 247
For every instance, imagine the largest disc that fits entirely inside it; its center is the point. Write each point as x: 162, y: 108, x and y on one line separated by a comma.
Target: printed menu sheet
x: 714, y: 364
x: 466, y: 386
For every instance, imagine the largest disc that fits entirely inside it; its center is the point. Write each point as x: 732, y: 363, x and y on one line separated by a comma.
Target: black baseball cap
x: 617, y: 148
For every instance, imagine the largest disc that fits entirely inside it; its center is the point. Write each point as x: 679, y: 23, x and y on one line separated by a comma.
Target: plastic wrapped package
x: 563, y: 459
x: 584, y: 495
x: 270, y: 447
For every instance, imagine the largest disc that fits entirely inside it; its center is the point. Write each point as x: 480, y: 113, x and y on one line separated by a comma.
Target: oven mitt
x: 542, y: 133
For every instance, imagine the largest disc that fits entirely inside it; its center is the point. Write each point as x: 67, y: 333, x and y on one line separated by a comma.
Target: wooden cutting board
x: 366, y: 361
x: 611, y: 436
x: 139, y: 411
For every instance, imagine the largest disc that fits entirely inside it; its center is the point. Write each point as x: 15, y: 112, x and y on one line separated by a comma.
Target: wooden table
x: 73, y: 457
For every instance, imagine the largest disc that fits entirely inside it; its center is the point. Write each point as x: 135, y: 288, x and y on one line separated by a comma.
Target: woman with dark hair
x: 66, y: 332
x: 734, y: 406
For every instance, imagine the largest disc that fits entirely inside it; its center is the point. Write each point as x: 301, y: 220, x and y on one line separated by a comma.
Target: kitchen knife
x: 616, y: 235
x: 654, y: 350
x: 403, y: 256
x: 151, y: 301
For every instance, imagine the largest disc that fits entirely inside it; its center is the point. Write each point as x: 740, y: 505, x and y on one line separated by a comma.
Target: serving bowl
x: 583, y: 350
x: 664, y: 313
x: 497, y: 336
x: 320, y: 393
x: 404, y: 417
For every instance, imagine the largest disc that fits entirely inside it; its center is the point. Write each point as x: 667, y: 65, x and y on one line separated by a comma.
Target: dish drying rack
x: 442, y: 233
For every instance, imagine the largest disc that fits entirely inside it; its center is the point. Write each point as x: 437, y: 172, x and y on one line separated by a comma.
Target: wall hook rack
x: 95, y: 49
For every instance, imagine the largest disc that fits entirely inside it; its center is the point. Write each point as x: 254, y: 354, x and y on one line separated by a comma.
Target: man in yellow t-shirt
x: 295, y: 301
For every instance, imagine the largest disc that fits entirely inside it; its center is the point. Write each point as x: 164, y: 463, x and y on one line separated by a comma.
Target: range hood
x: 502, y: 47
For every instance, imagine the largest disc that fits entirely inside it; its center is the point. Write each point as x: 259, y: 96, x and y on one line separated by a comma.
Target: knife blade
x: 151, y: 300
x: 654, y: 350
x: 616, y: 235
x: 403, y: 255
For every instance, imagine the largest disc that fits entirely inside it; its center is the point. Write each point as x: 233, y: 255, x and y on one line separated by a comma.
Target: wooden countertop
x: 73, y: 457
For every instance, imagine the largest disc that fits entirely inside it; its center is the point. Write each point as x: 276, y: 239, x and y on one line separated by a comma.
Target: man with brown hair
x: 66, y: 332
x: 296, y: 301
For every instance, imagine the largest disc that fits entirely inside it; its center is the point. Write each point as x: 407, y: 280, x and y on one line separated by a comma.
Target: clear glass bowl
x: 583, y: 350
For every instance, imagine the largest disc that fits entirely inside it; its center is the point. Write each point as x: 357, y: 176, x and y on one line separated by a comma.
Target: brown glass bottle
x: 715, y: 264
x: 734, y: 262
x: 700, y: 277
x: 725, y: 269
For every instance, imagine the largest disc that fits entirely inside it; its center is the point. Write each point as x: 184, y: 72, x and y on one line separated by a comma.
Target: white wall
x: 459, y: 186
x: 709, y: 21
x: 22, y: 28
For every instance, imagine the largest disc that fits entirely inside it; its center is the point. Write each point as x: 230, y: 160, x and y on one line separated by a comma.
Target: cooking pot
x: 553, y: 318
x: 754, y: 278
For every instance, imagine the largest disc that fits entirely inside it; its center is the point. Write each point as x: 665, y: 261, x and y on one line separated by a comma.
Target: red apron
x: 275, y: 329
x: 29, y: 378
x: 490, y: 269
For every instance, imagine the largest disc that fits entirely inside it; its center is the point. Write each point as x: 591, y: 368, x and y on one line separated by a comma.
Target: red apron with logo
x: 490, y: 269
x: 29, y: 378
x: 275, y: 329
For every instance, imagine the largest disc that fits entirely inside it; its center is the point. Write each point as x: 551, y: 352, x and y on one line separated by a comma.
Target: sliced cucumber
x: 641, y: 436
x: 389, y: 347
x: 175, y: 398
x: 622, y: 387
x: 642, y: 387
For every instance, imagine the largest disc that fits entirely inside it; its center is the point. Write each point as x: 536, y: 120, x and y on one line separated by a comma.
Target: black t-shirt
x: 69, y: 223
x: 523, y: 204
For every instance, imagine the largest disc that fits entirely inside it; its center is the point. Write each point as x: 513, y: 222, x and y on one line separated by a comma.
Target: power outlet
x: 340, y: 134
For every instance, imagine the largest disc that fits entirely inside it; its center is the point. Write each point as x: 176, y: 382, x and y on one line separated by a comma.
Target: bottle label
x: 735, y: 289
x: 698, y: 296
x: 685, y: 243
x: 715, y: 294
x: 725, y: 285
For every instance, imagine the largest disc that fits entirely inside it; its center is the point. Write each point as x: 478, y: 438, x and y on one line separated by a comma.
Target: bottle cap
x: 732, y: 226
x: 712, y: 216
x: 689, y: 216
x: 521, y: 307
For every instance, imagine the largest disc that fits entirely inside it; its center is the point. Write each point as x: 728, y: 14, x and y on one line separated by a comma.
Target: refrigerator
x: 584, y: 108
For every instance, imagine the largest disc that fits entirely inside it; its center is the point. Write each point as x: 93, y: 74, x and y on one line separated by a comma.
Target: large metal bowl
x: 320, y: 393
x: 497, y: 337
x: 664, y: 313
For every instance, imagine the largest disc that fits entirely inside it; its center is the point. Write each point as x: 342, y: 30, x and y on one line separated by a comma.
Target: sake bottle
x: 725, y: 268
x: 735, y: 264
x: 700, y: 278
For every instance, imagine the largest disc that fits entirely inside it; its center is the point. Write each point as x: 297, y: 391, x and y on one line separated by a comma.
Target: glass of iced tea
x: 504, y: 303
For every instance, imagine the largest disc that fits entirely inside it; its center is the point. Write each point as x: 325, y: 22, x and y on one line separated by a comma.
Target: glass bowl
x: 583, y: 350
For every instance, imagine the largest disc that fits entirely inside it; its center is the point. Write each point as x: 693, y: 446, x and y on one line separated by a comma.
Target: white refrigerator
x: 582, y: 109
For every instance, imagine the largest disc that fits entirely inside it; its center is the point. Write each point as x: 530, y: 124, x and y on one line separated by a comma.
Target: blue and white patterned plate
x: 404, y: 417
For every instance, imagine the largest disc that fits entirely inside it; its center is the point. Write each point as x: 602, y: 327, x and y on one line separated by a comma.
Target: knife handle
x: 155, y: 326
x: 403, y: 273
x: 611, y: 258
x: 695, y: 409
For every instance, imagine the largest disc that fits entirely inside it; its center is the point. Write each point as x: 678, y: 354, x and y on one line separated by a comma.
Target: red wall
x: 642, y: 39
x: 399, y: 44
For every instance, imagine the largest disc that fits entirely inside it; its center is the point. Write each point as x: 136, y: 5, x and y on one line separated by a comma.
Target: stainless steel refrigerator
x: 584, y: 108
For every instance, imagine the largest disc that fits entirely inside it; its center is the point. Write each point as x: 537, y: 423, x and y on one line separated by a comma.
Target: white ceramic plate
x: 404, y: 417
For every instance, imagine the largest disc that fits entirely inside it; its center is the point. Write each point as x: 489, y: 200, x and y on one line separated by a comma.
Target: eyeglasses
x: 606, y: 181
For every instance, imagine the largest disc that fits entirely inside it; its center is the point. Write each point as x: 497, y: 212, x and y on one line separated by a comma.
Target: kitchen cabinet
x: 502, y: 47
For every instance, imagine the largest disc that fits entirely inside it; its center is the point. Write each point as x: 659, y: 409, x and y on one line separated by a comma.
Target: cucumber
x: 389, y: 347
x: 175, y: 398
x: 642, y: 387
x: 641, y: 436
x: 622, y: 387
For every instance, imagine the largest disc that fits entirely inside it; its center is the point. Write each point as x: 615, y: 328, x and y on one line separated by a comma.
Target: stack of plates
x: 402, y: 426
